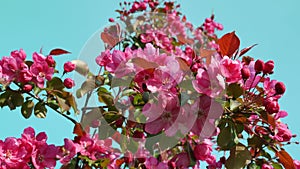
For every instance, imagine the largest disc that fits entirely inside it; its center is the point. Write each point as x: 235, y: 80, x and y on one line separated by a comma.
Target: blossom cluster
x: 33, y: 151
x: 14, y: 69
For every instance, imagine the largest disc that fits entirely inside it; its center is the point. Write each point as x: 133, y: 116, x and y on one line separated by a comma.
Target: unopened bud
x: 259, y: 66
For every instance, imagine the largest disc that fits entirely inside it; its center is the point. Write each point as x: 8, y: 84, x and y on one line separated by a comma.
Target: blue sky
x: 273, y: 24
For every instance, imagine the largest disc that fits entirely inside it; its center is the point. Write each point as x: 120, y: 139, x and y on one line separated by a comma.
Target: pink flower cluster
x: 33, y: 150
x: 14, y: 68
x: 28, y: 150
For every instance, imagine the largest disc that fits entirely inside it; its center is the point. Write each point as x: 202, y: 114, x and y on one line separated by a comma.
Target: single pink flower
x: 68, y: 151
x: 12, y: 154
x: 162, y: 115
x: 231, y: 69
x: 282, y: 133
x: 104, y: 58
x: 181, y: 160
x: 41, y: 72
x: 203, y: 150
x: 44, y: 156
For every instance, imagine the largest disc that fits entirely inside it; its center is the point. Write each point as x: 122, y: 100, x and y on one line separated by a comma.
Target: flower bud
x: 50, y: 61
x: 69, y: 67
x: 269, y: 66
x: 279, y: 88
x: 259, y: 66
x: 27, y: 88
x: 272, y: 107
x: 137, y: 135
x: 69, y: 83
x: 245, y: 73
x: 128, y: 157
x: 111, y: 20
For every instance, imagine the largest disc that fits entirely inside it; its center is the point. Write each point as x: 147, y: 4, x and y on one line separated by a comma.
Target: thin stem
x: 89, y: 94
x: 46, y: 103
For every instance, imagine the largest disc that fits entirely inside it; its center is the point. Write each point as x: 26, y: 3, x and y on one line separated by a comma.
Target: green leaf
x: 138, y: 99
x: 239, y: 157
x: 3, y: 98
x: 234, y: 104
x: 105, y: 97
x: 111, y: 116
x: 27, y: 108
x: 40, y: 110
x: 234, y: 90
x: 12, y: 99
x: 227, y: 137
x: 55, y: 84
x: 253, y: 166
x: 125, y: 82
x: 277, y: 166
x: 255, y: 142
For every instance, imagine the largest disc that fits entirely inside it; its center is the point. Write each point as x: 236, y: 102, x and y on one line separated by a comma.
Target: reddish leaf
x: 58, y: 52
x: 78, y: 130
x: 245, y: 50
x: 111, y: 35
x: 143, y: 63
x: 229, y: 44
x: 207, y: 54
x: 285, y: 159
x: 183, y: 64
x: 119, y: 162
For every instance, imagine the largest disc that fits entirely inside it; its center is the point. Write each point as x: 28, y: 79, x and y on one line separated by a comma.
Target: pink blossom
x: 118, y: 58
x: 68, y: 151
x: 20, y: 55
x: 12, y: 154
x: 181, y: 160
x: 69, y: 67
x: 282, y: 133
x: 267, y: 166
x: 104, y: 58
x: 41, y: 71
x: 297, y: 164
x: 38, y: 58
x: 14, y: 68
x: 203, y: 150
x: 253, y: 79
x: 209, y: 80
x: 280, y: 114
x: 208, y: 111
x: 162, y: 115
x: 153, y: 163
x: 231, y: 69
x: 50, y: 61
x: 269, y: 87
x: 44, y: 156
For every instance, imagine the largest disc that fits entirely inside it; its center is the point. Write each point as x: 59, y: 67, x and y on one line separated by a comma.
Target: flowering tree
x: 168, y: 95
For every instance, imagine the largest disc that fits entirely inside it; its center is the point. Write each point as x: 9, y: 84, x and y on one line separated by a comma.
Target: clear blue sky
x: 33, y: 24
